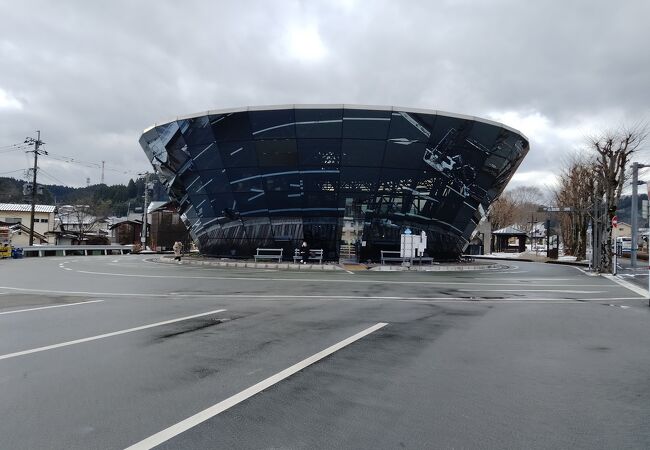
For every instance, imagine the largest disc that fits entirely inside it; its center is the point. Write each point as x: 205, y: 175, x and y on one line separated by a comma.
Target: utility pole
x: 37, y: 143
x: 596, y: 234
x: 102, y: 182
x: 635, y: 212
x: 144, y: 211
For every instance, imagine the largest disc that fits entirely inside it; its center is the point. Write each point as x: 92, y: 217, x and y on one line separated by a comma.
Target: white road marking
x: 469, y: 299
x: 49, y: 307
x: 532, y: 290
x: 338, y: 280
x: 208, y: 413
x: 105, y: 335
x: 626, y: 284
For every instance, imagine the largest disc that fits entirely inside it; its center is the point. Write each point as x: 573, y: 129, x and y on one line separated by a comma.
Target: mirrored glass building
x: 348, y: 179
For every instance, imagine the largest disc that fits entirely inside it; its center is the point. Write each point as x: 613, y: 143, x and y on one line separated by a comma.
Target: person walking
x: 304, y: 252
x: 178, y: 247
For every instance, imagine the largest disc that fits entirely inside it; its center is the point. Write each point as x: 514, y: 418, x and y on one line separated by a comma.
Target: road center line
x: 49, y: 307
x: 206, y: 414
x: 105, y: 335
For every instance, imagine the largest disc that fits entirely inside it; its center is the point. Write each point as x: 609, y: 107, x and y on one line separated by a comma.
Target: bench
x: 393, y: 255
x: 314, y: 254
x: 390, y: 255
x: 269, y: 253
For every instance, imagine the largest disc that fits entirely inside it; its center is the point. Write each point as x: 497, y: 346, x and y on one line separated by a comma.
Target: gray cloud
x: 92, y: 75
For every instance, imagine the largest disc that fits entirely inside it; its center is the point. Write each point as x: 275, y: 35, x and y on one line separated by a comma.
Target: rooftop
x: 26, y: 207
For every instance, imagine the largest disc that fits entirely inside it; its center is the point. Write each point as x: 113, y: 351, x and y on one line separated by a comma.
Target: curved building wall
x: 348, y: 179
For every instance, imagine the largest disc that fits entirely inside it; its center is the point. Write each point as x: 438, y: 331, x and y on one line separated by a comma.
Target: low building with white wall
x: 20, y: 214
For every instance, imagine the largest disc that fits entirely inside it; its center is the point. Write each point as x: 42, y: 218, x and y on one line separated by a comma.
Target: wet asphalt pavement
x: 105, y: 352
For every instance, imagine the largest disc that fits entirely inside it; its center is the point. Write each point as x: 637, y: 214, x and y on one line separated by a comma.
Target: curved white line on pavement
x: 49, y: 307
x: 208, y: 413
x: 105, y: 335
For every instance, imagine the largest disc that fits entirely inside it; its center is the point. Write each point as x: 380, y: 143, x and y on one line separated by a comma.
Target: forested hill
x: 112, y: 200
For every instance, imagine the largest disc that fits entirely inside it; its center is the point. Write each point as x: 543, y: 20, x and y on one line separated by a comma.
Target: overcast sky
x: 92, y: 75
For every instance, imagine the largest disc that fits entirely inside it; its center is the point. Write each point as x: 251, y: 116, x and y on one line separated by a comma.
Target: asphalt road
x: 179, y: 356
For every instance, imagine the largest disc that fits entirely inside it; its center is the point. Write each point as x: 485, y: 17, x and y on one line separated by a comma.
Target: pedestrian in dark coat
x: 304, y: 252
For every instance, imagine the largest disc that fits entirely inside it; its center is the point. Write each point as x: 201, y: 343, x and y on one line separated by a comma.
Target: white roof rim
x: 433, y: 112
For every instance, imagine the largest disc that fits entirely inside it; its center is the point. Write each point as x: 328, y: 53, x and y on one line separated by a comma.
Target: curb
x: 253, y: 265
x: 327, y: 267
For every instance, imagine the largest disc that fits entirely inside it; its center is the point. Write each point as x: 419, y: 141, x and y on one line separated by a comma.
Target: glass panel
x: 223, y: 205
x: 359, y: 179
x: 284, y: 203
x: 319, y: 123
x: 244, y: 179
x: 252, y: 203
x: 231, y: 126
x: 286, y: 179
x: 273, y: 124
x: 277, y: 152
x: 359, y: 152
x: 407, y: 155
x: 319, y: 152
x: 320, y: 203
x: 365, y: 124
x: 215, y: 180
x: 205, y: 156
x: 406, y: 127
x: 150, y: 143
x: 238, y: 154
x: 321, y: 181
x: 197, y: 131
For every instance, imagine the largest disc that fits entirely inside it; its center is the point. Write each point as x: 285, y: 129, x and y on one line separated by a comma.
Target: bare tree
x: 576, y: 185
x: 613, y: 150
x: 518, y: 206
x: 502, y: 211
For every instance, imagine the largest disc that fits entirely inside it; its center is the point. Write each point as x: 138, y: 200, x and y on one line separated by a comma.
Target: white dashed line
x: 234, y: 400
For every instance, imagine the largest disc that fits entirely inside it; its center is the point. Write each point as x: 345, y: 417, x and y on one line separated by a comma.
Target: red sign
x: 615, y: 221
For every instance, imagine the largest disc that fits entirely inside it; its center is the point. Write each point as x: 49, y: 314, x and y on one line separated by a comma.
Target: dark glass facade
x: 348, y: 179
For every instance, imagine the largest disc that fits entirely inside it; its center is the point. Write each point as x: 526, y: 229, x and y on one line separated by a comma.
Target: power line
x: 12, y: 171
x: 89, y: 164
x: 52, y: 177
x: 21, y: 144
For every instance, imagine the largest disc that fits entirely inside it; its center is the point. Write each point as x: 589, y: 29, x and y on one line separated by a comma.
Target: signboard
x: 413, y: 245
x: 615, y: 221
